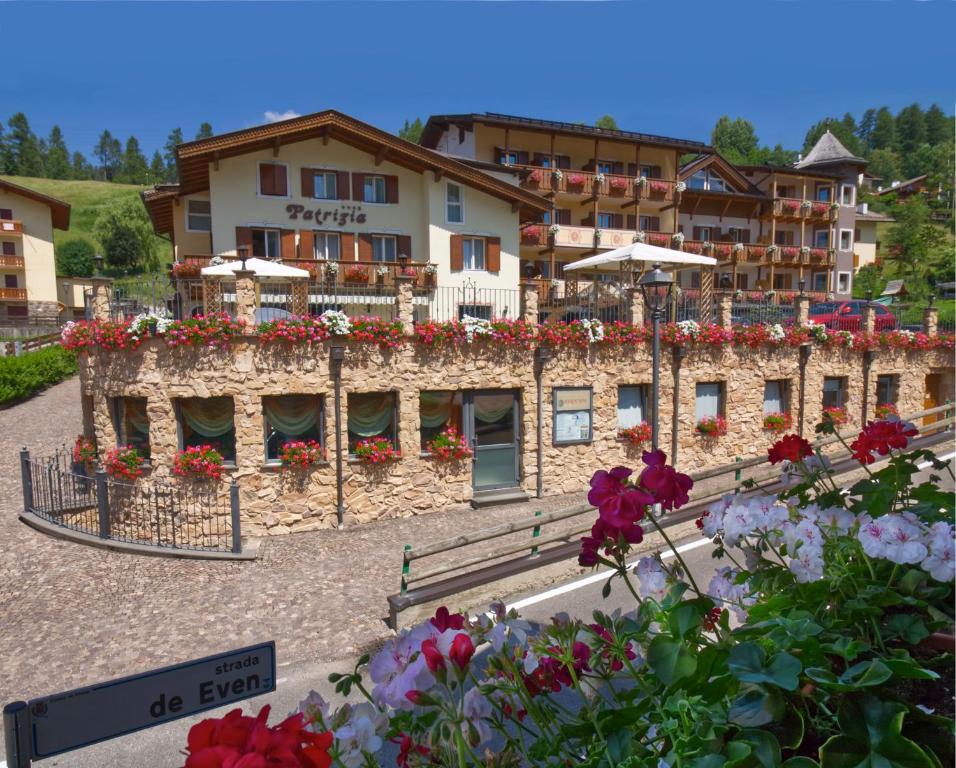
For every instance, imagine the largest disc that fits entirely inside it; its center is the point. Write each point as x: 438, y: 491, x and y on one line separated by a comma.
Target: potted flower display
x: 430, y: 271
x: 712, y: 426
x: 449, y: 445
x: 184, y: 270
x: 777, y: 422
x: 658, y: 188
x: 331, y: 270
x: 84, y: 451
x: 789, y: 207
x: 202, y: 462
x: 357, y: 273
x: 618, y: 185
x: 639, y: 434
x: 300, y: 454
x: 836, y: 414
x: 531, y: 235
x: 382, y: 270
x: 124, y: 463
x: 576, y: 180
x: 885, y: 410
x: 376, y: 450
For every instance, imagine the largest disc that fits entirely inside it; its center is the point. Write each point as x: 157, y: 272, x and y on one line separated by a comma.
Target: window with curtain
x: 709, y: 399
x: 631, y: 406
x: 374, y: 189
x: 265, y: 243
x: 886, y: 389
x: 775, y: 396
x: 384, y: 248
x: 326, y: 246
x: 834, y: 391
x: 131, y: 423
x: 291, y: 417
x: 208, y: 421
x: 372, y: 414
x: 438, y: 411
x: 325, y: 186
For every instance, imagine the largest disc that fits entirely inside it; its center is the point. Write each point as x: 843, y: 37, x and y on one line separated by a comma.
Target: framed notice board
x: 573, y: 408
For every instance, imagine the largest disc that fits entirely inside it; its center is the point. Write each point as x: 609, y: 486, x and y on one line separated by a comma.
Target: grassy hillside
x: 87, y: 199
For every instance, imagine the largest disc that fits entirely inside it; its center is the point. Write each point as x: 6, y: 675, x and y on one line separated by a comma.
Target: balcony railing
x: 10, y: 227
x: 588, y: 184
x: 808, y: 210
x: 567, y: 236
x: 11, y: 262
x: 13, y: 294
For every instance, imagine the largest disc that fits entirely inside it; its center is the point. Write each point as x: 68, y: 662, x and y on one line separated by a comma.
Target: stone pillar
x: 246, y: 297
x: 930, y: 321
x: 211, y: 295
x: 529, y: 301
x: 868, y: 323
x: 724, y: 314
x: 637, y: 306
x: 404, y: 300
x: 102, y: 287
x: 300, y: 296
x: 801, y: 309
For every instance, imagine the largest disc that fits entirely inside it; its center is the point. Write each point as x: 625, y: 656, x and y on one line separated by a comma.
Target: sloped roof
x: 902, y: 185
x: 726, y: 170
x: 59, y: 210
x: 828, y: 149
x: 159, y: 205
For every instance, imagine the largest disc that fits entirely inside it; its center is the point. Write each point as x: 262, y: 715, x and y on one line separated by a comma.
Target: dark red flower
x: 790, y: 448
x: 461, y: 651
x: 443, y: 620
x: 433, y: 657
x: 880, y: 437
x: 668, y: 486
x: 406, y: 747
x: 619, y: 504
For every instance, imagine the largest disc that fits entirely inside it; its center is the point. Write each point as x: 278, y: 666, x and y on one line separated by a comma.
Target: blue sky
x: 665, y: 67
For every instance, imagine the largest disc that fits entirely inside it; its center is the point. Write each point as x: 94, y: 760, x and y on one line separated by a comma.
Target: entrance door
x: 931, y: 397
x: 492, y: 418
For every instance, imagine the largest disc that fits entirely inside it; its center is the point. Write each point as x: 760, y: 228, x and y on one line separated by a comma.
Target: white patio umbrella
x: 262, y: 267
x: 613, y: 260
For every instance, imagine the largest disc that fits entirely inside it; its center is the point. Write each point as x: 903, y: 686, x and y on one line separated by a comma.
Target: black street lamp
x: 656, y: 286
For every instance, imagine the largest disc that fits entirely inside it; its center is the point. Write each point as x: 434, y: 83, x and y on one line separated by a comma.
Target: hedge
x: 23, y: 376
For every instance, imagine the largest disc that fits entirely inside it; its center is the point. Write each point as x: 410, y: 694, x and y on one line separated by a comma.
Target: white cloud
x: 275, y: 117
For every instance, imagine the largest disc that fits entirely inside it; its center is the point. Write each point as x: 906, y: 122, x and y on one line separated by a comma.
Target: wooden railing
x: 757, y: 253
x: 795, y: 209
x: 11, y: 227
x: 589, y: 184
x: 11, y: 262
x: 13, y: 294
x: 569, y: 236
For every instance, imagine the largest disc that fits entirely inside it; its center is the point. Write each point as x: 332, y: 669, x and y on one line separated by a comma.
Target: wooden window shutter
x: 522, y: 158
x: 364, y: 247
x: 306, y: 244
x: 654, y: 223
x: 266, y: 180
x: 618, y: 168
x: 342, y: 185
x: 493, y: 254
x: 244, y: 239
x: 405, y: 245
x: 347, y: 246
x: 358, y: 187
x: 697, y: 234
x: 589, y: 165
x: 280, y: 180
x: 499, y: 156
x: 617, y: 221
x: 287, y: 243
x: 391, y: 189
x: 563, y: 162
x: 563, y: 216
x: 632, y: 169
x: 308, y: 182
x: 632, y: 221
x: 745, y: 235
x: 588, y: 220
x: 457, y: 259
x: 540, y: 157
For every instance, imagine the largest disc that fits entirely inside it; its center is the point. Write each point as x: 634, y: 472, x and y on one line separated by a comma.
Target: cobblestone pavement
x: 73, y: 615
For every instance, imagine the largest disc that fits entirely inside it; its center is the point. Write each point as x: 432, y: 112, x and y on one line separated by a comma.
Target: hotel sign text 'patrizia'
x: 339, y: 216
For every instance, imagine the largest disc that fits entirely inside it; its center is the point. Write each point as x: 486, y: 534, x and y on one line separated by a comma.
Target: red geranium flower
x: 461, y: 651
x: 880, y: 437
x: 790, y: 448
x: 619, y: 504
x: 443, y: 620
x: 433, y: 657
x: 669, y: 486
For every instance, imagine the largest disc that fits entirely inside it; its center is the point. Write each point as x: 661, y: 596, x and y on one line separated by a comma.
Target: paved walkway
x: 73, y: 615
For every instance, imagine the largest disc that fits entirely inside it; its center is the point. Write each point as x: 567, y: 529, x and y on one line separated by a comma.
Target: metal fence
x: 453, y: 303
x: 760, y: 313
x: 355, y: 300
x: 65, y: 493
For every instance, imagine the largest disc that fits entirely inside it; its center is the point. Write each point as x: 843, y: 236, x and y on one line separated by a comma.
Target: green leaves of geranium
x: 749, y: 664
x: 871, y: 737
x: 866, y: 674
x: 670, y: 659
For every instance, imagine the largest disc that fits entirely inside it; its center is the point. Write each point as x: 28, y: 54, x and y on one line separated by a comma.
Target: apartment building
x: 27, y: 221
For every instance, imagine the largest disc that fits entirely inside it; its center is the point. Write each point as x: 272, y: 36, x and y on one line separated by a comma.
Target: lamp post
x: 656, y: 286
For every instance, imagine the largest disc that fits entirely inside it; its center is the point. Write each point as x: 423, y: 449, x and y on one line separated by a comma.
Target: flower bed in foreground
x: 805, y: 649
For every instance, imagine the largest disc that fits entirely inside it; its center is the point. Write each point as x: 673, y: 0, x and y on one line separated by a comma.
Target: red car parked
x: 848, y: 315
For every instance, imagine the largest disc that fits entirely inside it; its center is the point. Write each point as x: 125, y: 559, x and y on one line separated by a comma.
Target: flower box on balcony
x: 617, y: 185
x: 655, y: 238
x: 658, y: 188
x: 182, y: 270
x: 790, y: 252
x: 777, y: 422
x: 531, y: 235
x: 358, y: 274
x: 693, y: 247
x: 756, y: 252
x: 789, y: 207
x: 712, y: 426
x: 722, y: 250
x: 575, y: 180
x: 820, y: 209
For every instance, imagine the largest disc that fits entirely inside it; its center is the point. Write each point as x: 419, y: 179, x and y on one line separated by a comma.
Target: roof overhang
x: 159, y: 203
x: 59, y: 210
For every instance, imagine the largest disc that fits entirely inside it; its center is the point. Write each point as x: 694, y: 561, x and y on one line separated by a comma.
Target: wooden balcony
x: 586, y: 184
x: 793, y: 209
x: 13, y: 294
x: 11, y: 227
x: 566, y: 236
x: 11, y: 262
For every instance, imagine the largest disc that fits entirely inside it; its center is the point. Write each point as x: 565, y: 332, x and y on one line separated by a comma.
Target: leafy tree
x: 126, y: 235
x: 844, y: 134
x: 776, y: 156
x: 884, y: 130
x: 917, y: 247
x: 157, y: 169
x: 174, y: 139
x: 868, y: 278
x: 205, y: 131
x: 884, y: 164
x: 608, y: 123
x: 910, y: 128
x: 109, y: 152
x: 735, y: 139
x: 864, y: 130
x: 74, y: 258
x: 135, y: 167
x: 412, y: 131
x: 81, y: 169
x: 57, y: 156
x: 24, y: 147
x: 939, y: 128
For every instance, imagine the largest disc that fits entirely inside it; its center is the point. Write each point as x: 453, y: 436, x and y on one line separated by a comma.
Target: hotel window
x: 291, y: 417
x: 743, y: 281
x: 708, y: 180
x: 507, y: 158
x: 776, y: 396
x: 372, y: 414
x: 10, y: 281
x: 823, y: 193
x: 9, y: 249
x: 821, y: 238
x: 631, y: 406
x: 651, y: 171
x: 473, y: 253
x: 273, y: 180
x: 265, y: 243
x: 454, y: 207
x: 605, y: 166
x: 834, y: 391
x: 6, y: 214
x: 847, y: 194
x: 384, y: 247
x: 886, y: 385
x: 478, y: 311
x: 374, y: 187
x: 198, y: 216
x: 843, y: 282
x: 709, y: 400
x: 846, y: 239
x: 784, y: 237
x: 650, y: 223
x: 326, y: 246
x: 131, y: 423
x: 437, y: 412
x: 820, y: 281
x: 208, y: 421
x: 739, y: 235
x: 325, y: 186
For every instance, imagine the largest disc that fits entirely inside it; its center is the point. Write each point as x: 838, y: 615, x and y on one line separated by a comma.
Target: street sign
x: 85, y: 716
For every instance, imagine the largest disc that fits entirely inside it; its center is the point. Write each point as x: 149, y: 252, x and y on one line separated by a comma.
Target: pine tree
x: 174, y: 139
x: 109, y: 152
x: 57, y: 156
x: 6, y: 154
x: 412, y: 131
x: 910, y: 129
x: 838, y: 128
x: 24, y: 147
x: 884, y: 164
x: 884, y: 130
x: 205, y: 131
x: 135, y: 167
x: 157, y: 169
x: 81, y: 169
x: 864, y: 130
x: 939, y: 128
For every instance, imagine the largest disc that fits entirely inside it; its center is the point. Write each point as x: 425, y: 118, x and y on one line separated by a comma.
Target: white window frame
x: 207, y: 215
x: 849, y: 281
x: 460, y: 204
x: 335, y: 179
x: 849, y: 246
x: 324, y: 237
x: 383, y: 238
x: 374, y: 177
x: 267, y: 230
x: 843, y: 189
x: 484, y: 255
x: 288, y: 181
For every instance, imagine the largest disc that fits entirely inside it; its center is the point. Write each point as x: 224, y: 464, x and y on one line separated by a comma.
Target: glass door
x: 492, y: 418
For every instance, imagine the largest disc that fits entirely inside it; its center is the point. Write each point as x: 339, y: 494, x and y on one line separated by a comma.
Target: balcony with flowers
x: 795, y: 209
x: 591, y: 184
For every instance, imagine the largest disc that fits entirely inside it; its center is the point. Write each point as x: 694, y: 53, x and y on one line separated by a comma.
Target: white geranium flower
x: 651, y: 578
x: 903, y: 540
x: 807, y: 566
x: 724, y: 591
x: 939, y: 563
x: 360, y: 734
x: 337, y: 323
x: 872, y: 535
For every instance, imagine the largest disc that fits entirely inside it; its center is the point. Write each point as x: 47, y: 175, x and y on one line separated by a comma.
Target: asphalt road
x: 161, y: 747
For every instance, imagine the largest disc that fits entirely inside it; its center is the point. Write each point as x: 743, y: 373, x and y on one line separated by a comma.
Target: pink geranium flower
x: 619, y: 504
x: 668, y: 486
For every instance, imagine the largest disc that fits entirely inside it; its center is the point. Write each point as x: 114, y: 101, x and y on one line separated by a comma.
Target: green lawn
x: 87, y: 199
